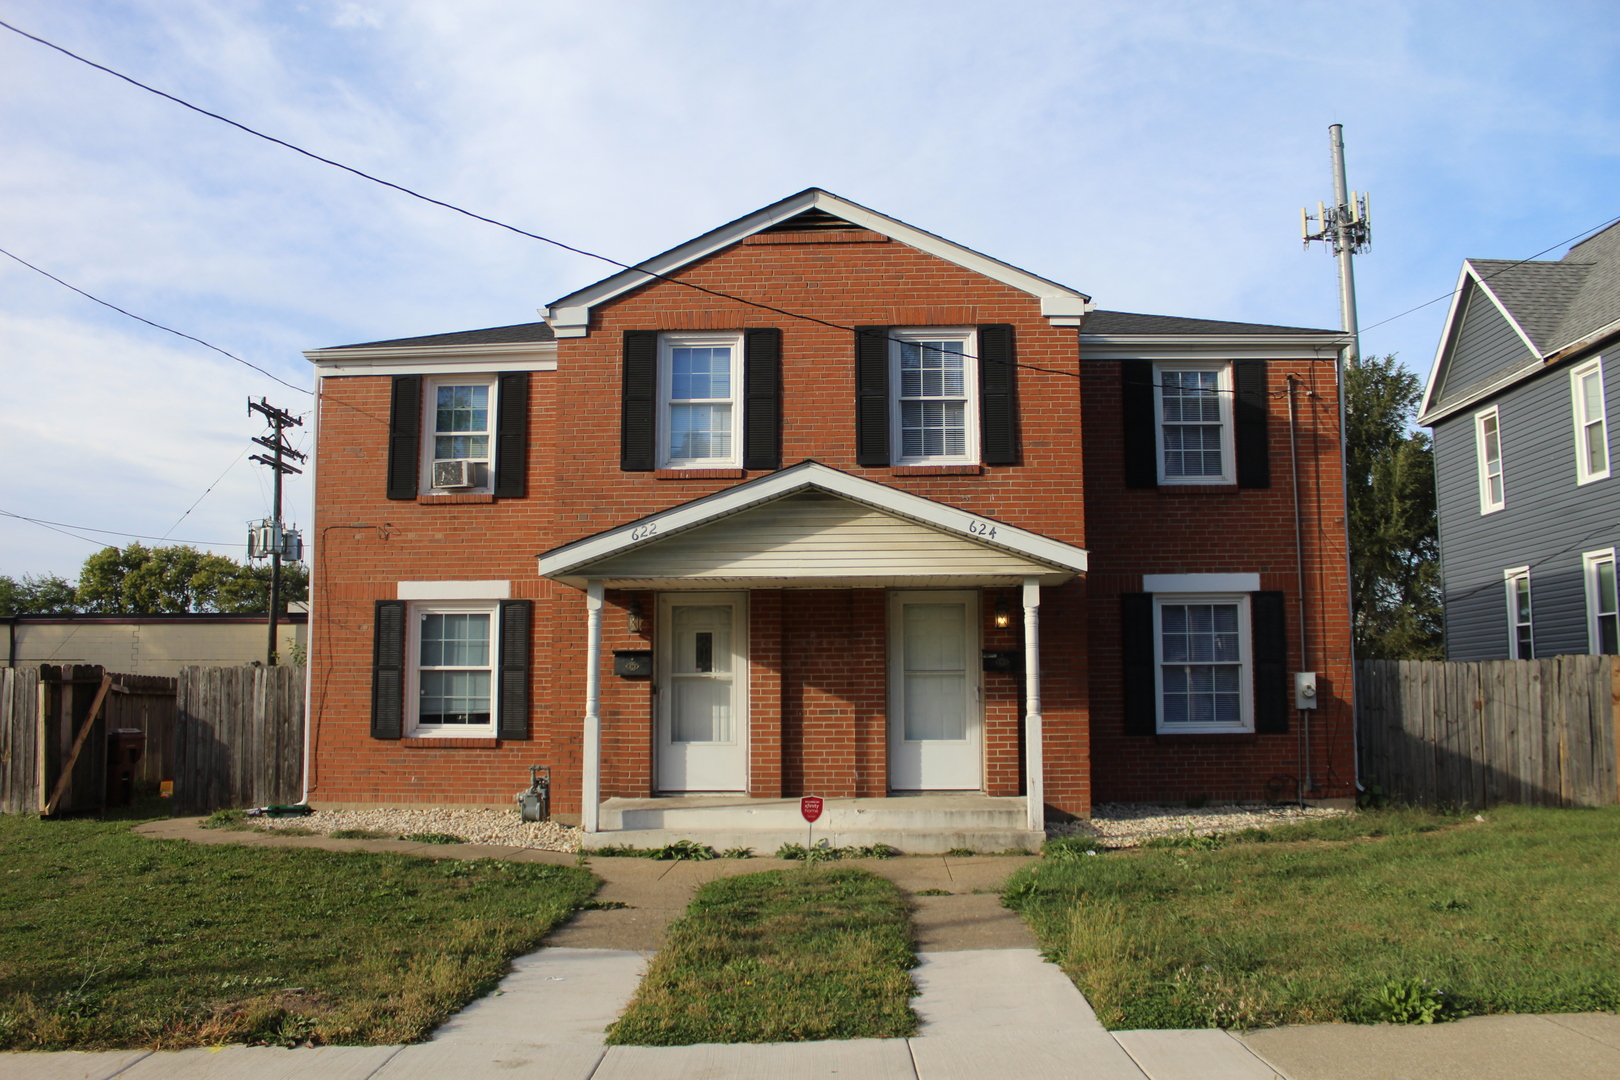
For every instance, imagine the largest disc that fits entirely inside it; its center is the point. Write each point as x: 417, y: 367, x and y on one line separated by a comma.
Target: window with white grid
x: 935, y: 416
x: 1488, y: 446
x: 698, y: 379
x: 1202, y: 645
x: 1591, y: 422
x: 1193, y: 403
x: 452, y: 658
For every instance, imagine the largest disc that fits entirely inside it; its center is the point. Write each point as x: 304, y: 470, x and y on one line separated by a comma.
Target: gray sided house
x: 1519, y: 399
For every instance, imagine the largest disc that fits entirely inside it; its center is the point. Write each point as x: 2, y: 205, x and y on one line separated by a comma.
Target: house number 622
x: 982, y: 528
x: 641, y: 532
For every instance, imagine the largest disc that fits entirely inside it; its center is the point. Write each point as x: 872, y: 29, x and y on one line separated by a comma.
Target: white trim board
x: 453, y: 590
x: 563, y: 563
x: 1200, y: 583
x: 424, y: 360
x: 570, y: 315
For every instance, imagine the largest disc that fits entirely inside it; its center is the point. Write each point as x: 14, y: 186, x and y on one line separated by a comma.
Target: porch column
x: 1034, y: 750
x: 590, y: 794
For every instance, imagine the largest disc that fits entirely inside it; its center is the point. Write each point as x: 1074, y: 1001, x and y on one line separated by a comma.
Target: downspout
x: 591, y: 771
x: 1034, y: 748
x: 309, y: 624
x: 1306, y: 783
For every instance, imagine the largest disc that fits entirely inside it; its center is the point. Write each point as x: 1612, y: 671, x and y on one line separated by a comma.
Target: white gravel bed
x: 502, y: 827
x: 1122, y: 825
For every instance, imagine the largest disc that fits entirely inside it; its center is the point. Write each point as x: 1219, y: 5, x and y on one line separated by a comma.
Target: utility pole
x: 1345, y: 229
x: 270, y: 538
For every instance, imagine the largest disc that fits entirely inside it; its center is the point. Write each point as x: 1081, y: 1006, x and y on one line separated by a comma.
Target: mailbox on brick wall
x: 632, y: 663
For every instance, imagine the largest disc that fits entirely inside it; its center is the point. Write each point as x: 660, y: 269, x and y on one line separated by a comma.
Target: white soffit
x: 428, y: 359
x: 570, y: 315
x: 453, y: 590
x: 1196, y: 583
x: 567, y: 563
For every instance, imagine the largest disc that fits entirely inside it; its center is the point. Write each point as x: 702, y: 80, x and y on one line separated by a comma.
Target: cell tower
x: 1345, y: 230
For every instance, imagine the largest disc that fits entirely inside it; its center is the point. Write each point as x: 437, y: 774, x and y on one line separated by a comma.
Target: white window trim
x: 1225, y: 396
x: 1589, y: 564
x: 429, y: 423
x: 666, y: 342
x: 1246, y: 663
x: 1510, y: 581
x: 969, y: 337
x: 1486, y: 506
x: 414, y: 728
x: 1582, y: 474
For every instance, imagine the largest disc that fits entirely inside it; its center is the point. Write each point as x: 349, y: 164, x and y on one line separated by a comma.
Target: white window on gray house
x: 1521, y: 632
x: 1591, y: 422
x: 1602, y: 603
x: 1488, y: 444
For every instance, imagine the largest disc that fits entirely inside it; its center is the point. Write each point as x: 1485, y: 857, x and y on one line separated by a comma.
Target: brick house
x: 820, y: 503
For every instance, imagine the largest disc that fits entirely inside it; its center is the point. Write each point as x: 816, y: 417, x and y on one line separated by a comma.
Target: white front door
x: 702, y: 697
x: 935, y: 719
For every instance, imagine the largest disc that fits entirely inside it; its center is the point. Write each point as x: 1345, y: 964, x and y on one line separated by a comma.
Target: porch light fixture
x: 1003, y: 613
x: 635, y: 619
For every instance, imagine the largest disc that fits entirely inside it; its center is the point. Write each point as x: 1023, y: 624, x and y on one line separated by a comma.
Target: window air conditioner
x: 452, y: 474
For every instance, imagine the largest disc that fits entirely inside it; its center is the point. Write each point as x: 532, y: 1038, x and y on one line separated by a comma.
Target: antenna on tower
x: 1346, y: 230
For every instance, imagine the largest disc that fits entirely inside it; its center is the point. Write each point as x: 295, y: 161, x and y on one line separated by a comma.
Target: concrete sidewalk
x: 990, y: 1006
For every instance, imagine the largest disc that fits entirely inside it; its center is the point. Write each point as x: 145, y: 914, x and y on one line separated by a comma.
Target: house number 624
x: 641, y: 532
x: 982, y: 528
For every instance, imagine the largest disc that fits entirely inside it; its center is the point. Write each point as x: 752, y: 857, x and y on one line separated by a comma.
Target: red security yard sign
x: 810, y: 807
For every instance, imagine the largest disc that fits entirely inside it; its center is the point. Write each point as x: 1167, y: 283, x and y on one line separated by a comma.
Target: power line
x: 58, y: 526
x: 149, y: 322
x: 402, y: 189
x: 204, y: 495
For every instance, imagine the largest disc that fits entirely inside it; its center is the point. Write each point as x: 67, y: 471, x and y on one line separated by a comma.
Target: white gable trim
x: 570, y: 316
x: 562, y: 562
x: 411, y: 359
x: 1427, y: 417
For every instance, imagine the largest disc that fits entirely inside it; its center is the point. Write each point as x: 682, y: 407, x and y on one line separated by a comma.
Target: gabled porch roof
x: 811, y: 526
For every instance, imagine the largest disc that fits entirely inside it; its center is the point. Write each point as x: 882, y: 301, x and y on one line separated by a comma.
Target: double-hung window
x: 934, y: 416
x: 1521, y: 632
x: 1591, y: 422
x: 1193, y: 403
x: 1488, y: 446
x: 1202, y: 661
x: 460, y: 425
x: 1602, y: 604
x: 452, y: 658
x: 698, y: 380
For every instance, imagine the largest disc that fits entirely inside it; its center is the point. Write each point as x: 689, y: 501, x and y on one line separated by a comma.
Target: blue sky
x: 1154, y: 155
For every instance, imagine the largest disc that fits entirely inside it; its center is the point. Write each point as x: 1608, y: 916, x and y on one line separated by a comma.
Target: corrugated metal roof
x: 516, y: 334
x: 1127, y: 322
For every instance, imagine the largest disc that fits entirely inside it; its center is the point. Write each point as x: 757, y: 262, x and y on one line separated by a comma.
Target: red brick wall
x: 1193, y: 530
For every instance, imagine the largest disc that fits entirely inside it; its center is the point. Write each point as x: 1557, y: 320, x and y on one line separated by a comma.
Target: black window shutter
x: 872, y: 395
x: 1141, y: 441
x: 1250, y: 409
x: 388, y: 671
x: 514, y: 703
x: 762, y: 404
x: 638, y: 420
x: 1136, y: 647
x: 404, y: 430
x: 998, y: 395
x: 512, y: 436
x: 1273, y: 696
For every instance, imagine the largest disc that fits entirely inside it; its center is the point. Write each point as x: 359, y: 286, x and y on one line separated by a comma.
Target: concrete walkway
x: 990, y: 1008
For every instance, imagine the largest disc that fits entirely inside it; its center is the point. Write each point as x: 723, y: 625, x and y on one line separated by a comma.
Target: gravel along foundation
x: 502, y: 827
x: 1123, y: 825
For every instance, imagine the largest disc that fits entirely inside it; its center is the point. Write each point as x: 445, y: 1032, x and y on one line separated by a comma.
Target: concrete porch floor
x: 925, y: 824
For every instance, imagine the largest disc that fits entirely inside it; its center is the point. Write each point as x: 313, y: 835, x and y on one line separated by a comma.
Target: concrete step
x: 922, y: 824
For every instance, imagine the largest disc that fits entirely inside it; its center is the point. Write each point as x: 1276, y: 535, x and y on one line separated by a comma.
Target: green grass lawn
x: 820, y: 952
x: 108, y: 939
x: 1386, y: 915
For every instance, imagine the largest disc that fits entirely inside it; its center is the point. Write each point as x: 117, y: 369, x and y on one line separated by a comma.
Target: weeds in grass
x: 815, y: 952
x: 680, y: 849
x: 108, y: 939
x: 434, y: 838
x: 292, y: 830
x: 824, y: 852
x: 1189, y: 841
x: 358, y: 834
x: 603, y: 905
x: 1327, y: 920
x: 225, y: 819
x: 960, y: 853
x: 932, y: 892
x: 737, y: 853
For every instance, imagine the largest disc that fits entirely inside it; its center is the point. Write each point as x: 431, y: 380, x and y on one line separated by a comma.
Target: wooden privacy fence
x: 239, y: 738
x: 19, y: 741
x: 1540, y: 732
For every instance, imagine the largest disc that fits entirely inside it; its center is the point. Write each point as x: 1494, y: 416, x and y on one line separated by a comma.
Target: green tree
x: 138, y: 580
x: 1394, y: 538
x: 37, y: 594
